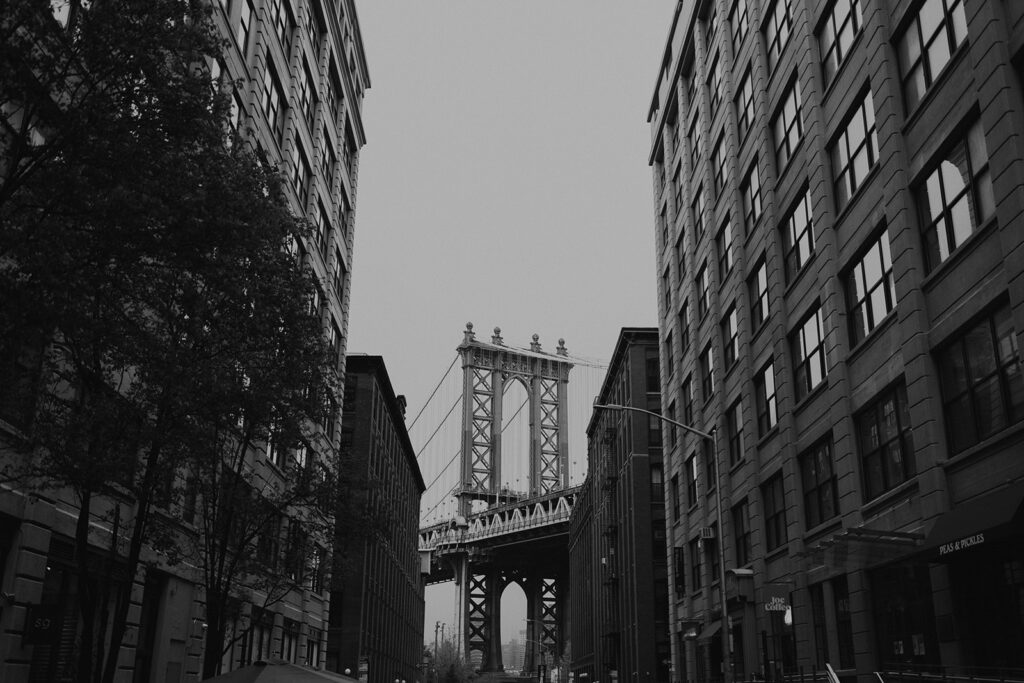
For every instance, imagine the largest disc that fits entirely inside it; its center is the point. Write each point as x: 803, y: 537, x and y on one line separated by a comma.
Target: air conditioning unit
x: 707, y: 532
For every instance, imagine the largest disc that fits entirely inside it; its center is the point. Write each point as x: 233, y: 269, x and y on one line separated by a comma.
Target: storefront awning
x: 973, y: 525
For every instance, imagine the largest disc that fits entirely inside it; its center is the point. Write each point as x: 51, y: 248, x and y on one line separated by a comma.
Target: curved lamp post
x: 707, y: 436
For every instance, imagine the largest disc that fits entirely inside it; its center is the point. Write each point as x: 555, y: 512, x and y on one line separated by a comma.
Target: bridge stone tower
x: 482, y: 575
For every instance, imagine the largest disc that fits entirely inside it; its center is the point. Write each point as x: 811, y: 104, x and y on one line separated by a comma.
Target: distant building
x: 618, y: 603
x: 377, y: 608
x: 838, y: 226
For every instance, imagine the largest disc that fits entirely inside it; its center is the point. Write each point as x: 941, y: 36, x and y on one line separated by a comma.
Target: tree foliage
x: 156, y: 316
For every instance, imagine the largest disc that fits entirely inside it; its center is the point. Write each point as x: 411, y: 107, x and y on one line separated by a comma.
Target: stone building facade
x: 838, y: 190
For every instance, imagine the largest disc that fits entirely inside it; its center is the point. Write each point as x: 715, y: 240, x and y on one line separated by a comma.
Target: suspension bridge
x: 502, y: 447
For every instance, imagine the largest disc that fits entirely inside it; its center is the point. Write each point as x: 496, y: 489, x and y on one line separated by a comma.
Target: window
x: 684, y: 329
x: 982, y: 391
x: 696, y: 570
x: 837, y: 34
x: 818, y: 625
x: 677, y: 186
x: 687, y: 398
x: 751, y: 192
x: 302, y: 175
x: 674, y: 490
x: 707, y: 373
x: 663, y: 224
x: 788, y: 127
x: 777, y: 29
x: 711, y: 550
x: 244, y: 26
x: 844, y: 621
x: 338, y: 275
x: 821, y: 493
x: 730, y: 337
x: 774, y: 499
x: 334, y: 340
x: 653, y: 371
x: 322, y: 226
x: 710, y: 466
x: 273, y: 101
x: 715, y: 83
x: 808, y: 344
x: 691, y: 480
x: 666, y: 290
x: 327, y: 159
x: 870, y: 290
x: 282, y: 23
x: 703, y: 290
x: 720, y: 167
x: 669, y: 357
x: 679, y: 564
x: 670, y: 429
x: 927, y: 45
x: 741, y: 532
x: 734, y: 423
x: 313, y: 644
x: 745, y: 103
x: 308, y: 96
x: 696, y: 143
x: 738, y: 22
x: 313, y: 30
x: 658, y: 496
x: 855, y: 152
x: 886, y: 442
x: 654, y: 428
x: 759, y: 309
x: 956, y: 197
x: 680, y: 257
x: 764, y: 394
x: 798, y: 236
x: 724, y: 246
x: 698, y: 211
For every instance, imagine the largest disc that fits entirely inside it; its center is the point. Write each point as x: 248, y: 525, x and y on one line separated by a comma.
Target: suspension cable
x: 413, y: 423
x: 443, y: 420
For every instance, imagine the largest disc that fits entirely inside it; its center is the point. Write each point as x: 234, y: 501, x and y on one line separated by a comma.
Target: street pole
x: 712, y: 436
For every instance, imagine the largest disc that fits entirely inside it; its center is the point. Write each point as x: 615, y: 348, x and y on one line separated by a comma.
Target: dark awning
x: 975, y: 524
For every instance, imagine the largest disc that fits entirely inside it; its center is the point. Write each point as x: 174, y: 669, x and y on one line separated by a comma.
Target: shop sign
x: 364, y: 669
x: 947, y: 548
x: 776, y: 597
x: 42, y: 625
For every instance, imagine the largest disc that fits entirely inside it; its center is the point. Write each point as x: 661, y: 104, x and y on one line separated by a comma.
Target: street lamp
x: 707, y: 436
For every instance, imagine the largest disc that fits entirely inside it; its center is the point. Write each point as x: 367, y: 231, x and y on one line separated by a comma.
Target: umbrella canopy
x: 279, y: 671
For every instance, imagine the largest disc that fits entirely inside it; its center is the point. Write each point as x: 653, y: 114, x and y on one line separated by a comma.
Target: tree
x: 154, y: 296
x: 451, y: 666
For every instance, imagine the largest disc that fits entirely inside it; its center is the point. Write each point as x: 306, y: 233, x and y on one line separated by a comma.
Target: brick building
x: 377, y: 608
x: 617, y: 554
x: 838, y: 189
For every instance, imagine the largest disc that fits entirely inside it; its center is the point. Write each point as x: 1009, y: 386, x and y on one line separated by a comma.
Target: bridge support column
x: 483, y: 618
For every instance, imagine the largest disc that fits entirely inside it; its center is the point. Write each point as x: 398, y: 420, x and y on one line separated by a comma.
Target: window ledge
x: 777, y: 553
x: 762, y: 441
x: 822, y: 528
x: 760, y: 328
x: 954, y: 60
x: 800, y: 274
x: 811, y: 395
x: 842, y: 67
x: 886, y: 498
x: 959, y: 254
x: 982, y: 448
x: 870, y: 338
x: 841, y: 215
x: 784, y: 171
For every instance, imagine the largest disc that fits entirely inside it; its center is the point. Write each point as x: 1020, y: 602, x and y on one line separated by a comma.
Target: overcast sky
x: 504, y: 182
